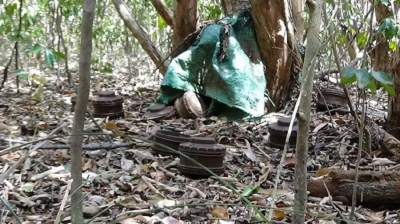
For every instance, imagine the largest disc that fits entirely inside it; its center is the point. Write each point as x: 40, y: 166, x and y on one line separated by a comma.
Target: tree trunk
x: 393, y: 122
x: 85, y: 58
x: 382, y: 60
x: 163, y: 11
x: 300, y: 178
x: 141, y: 36
x: 232, y: 6
x: 275, y: 38
x: 185, y: 20
x: 298, y: 18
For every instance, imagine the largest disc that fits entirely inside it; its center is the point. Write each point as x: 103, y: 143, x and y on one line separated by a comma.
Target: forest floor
x: 134, y: 185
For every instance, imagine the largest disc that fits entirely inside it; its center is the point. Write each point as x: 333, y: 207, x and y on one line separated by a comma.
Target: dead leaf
x: 157, y: 176
x: 220, y: 212
x: 290, y: 162
x: 319, y: 127
x: 126, y: 164
x: 322, y: 172
x: 89, y: 165
x: 278, y: 215
x: 249, y: 152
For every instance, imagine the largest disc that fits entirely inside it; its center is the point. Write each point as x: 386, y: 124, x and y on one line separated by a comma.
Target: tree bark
x: 387, y: 142
x: 375, y: 188
x: 383, y: 60
x: 164, y: 11
x: 298, y: 19
x: 141, y: 36
x: 185, y: 20
x: 273, y: 37
x: 313, y: 44
x: 85, y: 58
x: 232, y: 6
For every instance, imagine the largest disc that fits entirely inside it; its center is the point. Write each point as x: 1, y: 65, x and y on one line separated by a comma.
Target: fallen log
x: 375, y: 188
x: 388, y: 142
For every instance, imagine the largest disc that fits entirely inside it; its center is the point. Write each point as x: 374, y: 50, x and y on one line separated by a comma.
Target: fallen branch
x: 87, y: 147
x: 388, y: 142
x: 24, y: 157
x: 374, y: 188
x: 47, y: 172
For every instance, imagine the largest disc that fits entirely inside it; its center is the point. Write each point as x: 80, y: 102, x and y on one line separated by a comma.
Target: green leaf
x: 363, y: 77
x: 23, y: 74
x: 389, y: 89
x: 388, y: 28
x: 13, y: 38
x: 49, y: 57
x: 341, y: 39
x: 108, y: 68
x: 392, y: 45
x: 362, y: 39
x: 36, y: 48
x: 348, y: 75
x: 349, y: 71
x: 249, y: 191
x: 382, y: 77
x: 58, y: 54
x: 348, y: 80
x: 10, y: 9
x: 371, y: 86
x: 161, y: 23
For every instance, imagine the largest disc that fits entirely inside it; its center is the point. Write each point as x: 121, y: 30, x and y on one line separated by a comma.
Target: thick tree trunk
x: 393, y: 122
x: 274, y: 36
x: 383, y: 61
x: 232, y: 6
x: 185, y: 20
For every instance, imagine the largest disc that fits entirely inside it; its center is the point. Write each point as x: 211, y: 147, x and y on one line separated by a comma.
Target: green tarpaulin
x: 223, y: 65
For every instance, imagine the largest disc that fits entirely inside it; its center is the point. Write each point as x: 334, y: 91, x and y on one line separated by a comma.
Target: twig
x: 262, y: 152
x: 229, y: 179
x: 87, y: 147
x: 63, y: 202
x: 98, y: 126
x: 11, y: 149
x: 24, y: 157
x: 47, y: 172
x: 163, y: 186
x: 151, y: 186
x: 171, y: 174
x: 221, y: 187
x: 198, y: 191
x: 172, y: 164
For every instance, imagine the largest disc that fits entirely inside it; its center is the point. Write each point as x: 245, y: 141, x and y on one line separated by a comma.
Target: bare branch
x: 164, y: 11
x: 140, y: 35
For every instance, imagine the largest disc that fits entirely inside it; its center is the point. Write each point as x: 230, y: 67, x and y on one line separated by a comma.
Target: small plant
x: 50, y: 56
x: 367, y: 79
